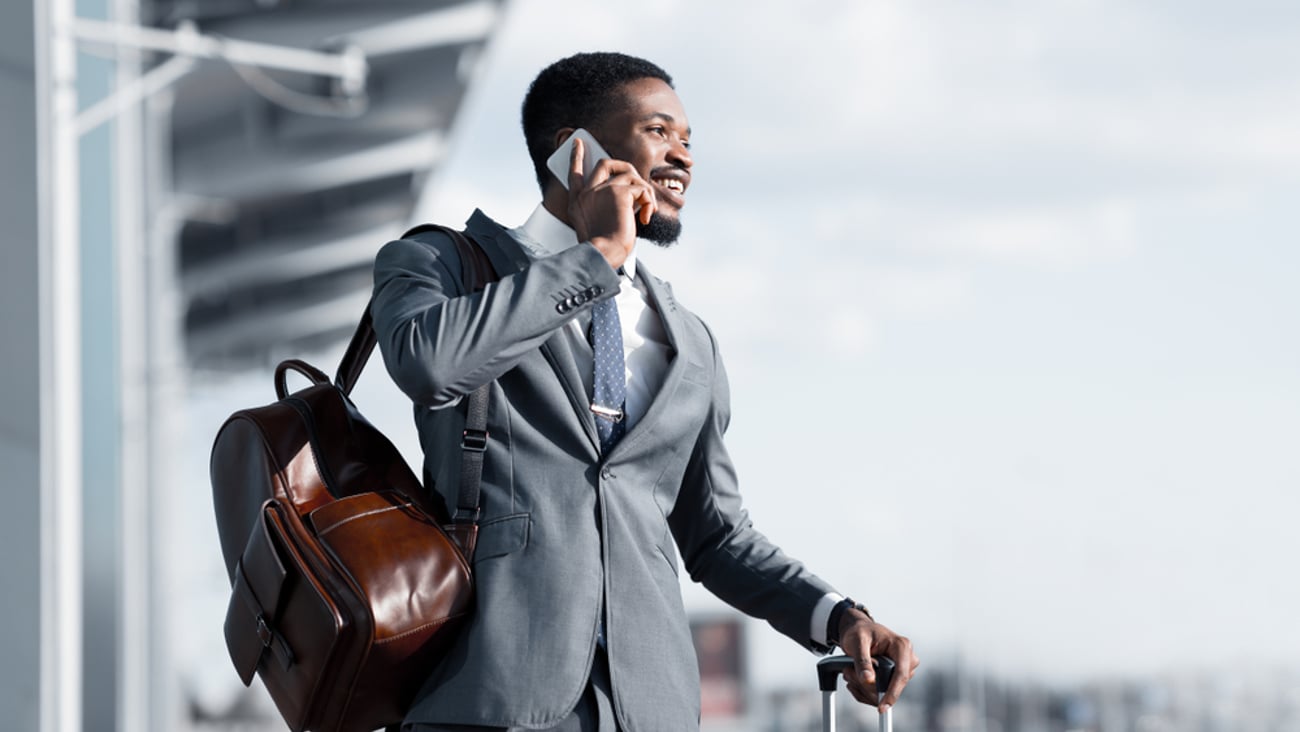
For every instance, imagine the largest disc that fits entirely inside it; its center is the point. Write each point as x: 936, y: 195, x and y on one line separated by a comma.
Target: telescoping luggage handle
x: 829, y: 670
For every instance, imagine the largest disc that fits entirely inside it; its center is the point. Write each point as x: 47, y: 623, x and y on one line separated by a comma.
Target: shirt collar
x: 543, y: 235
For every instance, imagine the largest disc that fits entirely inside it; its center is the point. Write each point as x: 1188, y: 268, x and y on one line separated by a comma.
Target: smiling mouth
x: 672, y: 184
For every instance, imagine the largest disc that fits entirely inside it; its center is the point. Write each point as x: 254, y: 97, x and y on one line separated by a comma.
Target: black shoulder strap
x: 476, y: 272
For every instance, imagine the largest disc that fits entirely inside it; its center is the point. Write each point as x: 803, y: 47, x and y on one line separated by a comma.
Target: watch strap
x: 837, y: 615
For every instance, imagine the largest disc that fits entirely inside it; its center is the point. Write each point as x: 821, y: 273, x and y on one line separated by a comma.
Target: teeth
x: 671, y: 184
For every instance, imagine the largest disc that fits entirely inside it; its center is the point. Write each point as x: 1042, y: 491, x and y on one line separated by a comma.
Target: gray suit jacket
x: 566, y: 536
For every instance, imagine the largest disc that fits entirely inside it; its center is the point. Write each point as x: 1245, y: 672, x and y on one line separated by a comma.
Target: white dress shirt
x: 645, y: 346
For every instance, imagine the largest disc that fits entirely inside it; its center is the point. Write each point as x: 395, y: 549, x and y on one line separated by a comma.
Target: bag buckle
x: 474, y: 440
x: 268, y: 638
x: 264, y: 632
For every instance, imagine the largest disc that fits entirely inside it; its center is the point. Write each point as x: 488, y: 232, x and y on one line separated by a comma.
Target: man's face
x: 650, y: 131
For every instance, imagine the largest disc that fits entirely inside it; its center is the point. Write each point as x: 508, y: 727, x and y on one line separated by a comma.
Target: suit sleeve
x: 440, y: 342
x: 720, y: 547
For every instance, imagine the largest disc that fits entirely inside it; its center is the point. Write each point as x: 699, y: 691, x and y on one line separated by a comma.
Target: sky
x: 1006, y: 295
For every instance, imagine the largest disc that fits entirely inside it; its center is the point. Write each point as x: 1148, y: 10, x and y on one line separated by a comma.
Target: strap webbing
x: 473, y: 445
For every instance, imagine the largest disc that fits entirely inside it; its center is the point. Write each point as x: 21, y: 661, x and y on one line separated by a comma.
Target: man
x: 591, y: 484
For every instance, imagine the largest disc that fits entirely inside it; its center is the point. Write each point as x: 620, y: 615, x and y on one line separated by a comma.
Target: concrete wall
x: 20, y: 458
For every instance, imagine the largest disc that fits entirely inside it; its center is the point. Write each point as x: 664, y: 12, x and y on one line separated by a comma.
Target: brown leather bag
x: 346, y: 586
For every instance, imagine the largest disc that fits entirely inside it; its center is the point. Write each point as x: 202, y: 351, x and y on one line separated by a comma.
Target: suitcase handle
x: 830, y: 668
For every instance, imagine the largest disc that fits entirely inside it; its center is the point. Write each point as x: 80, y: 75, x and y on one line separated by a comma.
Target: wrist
x: 614, y: 252
x: 845, y: 612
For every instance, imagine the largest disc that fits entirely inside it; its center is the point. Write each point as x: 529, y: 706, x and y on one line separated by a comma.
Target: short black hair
x: 577, y: 91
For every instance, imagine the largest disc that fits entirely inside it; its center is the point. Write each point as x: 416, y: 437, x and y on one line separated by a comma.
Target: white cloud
x: 918, y: 293
x: 1054, y: 238
x: 772, y: 290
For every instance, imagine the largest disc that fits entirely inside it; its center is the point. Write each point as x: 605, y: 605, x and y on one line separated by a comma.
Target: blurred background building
x: 1062, y: 311
x: 192, y: 182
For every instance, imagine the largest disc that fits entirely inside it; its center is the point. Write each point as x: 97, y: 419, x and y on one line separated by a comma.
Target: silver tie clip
x: 613, y: 415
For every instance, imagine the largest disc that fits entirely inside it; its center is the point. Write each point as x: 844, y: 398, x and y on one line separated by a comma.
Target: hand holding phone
x: 592, y: 153
x: 604, y: 212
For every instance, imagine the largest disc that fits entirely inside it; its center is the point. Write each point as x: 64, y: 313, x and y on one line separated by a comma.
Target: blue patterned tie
x: 610, y: 384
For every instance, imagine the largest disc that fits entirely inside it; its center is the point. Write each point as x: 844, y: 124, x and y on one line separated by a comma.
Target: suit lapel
x: 675, y: 329
x: 508, y: 256
x: 560, y: 355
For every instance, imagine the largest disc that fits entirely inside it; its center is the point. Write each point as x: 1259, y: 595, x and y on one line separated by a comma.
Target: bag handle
x: 316, y: 376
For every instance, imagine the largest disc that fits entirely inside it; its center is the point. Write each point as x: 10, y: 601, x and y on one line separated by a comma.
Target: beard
x: 661, y: 230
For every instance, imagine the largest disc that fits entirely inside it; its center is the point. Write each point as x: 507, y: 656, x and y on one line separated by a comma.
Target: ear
x: 561, y: 135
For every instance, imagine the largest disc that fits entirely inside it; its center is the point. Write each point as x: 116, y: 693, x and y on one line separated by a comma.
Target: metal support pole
x: 60, y: 364
x: 163, y: 423
x: 136, y: 608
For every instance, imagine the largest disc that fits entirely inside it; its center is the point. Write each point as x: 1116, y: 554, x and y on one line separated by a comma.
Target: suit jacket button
x: 581, y: 298
x: 561, y: 308
x: 597, y: 290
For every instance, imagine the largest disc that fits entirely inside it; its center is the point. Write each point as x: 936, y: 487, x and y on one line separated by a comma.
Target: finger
x: 865, y: 675
x: 575, y: 165
x: 904, y: 669
x: 648, y: 203
x: 631, y: 188
x: 865, y: 669
x: 858, y: 691
x: 614, y: 171
x: 895, y: 689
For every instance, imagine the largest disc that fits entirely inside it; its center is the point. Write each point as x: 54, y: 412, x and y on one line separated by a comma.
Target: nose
x: 679, y: 155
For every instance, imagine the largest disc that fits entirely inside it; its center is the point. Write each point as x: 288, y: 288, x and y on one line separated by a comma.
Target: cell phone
x: 592, y: 153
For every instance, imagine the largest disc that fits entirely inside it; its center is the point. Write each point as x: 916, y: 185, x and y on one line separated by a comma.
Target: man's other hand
x: 860, y: 639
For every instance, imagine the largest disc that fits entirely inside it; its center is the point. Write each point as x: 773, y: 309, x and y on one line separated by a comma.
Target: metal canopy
x: 283, y: 184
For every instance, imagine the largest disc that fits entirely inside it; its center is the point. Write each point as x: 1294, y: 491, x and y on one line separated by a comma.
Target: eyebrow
x: 663, y: 116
